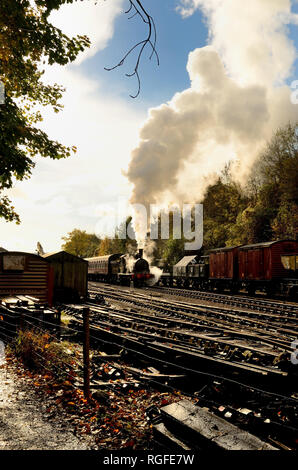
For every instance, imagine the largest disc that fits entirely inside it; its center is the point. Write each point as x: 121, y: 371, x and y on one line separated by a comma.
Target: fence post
x: 86, y: 350
x: 19, y: 319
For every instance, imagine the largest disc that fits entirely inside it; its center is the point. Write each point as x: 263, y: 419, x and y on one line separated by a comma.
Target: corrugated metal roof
x: 263, y: 244
x: 186, y: 261
x: 25, y: 253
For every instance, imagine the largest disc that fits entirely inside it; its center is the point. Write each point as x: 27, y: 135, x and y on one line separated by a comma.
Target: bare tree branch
x: 138, y: 9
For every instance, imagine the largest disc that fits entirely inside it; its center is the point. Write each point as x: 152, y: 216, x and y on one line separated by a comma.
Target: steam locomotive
x: 120, y: 269
x: 271, y: 267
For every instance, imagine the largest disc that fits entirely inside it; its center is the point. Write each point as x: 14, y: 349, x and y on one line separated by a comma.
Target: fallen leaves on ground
x: 119, y: 422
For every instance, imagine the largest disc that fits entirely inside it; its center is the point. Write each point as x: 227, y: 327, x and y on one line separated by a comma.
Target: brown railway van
x: 223, y: 263
x: 25, y: 274
x: 263, y: 261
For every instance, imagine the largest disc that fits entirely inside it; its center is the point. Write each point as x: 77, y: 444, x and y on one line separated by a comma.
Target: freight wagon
x: 223, y: 268
x: 271, y: 267
x: 261, y: 266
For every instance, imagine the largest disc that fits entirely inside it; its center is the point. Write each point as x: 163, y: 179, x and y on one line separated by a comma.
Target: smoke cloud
x: 238, y: 96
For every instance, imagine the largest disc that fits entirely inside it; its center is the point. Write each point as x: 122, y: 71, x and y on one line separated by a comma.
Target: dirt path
x: 24, y: 425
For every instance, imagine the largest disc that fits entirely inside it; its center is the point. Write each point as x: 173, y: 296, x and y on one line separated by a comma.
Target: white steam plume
x: 149, y: 248
x: 237, y: 98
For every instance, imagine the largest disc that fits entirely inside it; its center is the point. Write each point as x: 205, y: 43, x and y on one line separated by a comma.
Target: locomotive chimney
x: 141, y: 252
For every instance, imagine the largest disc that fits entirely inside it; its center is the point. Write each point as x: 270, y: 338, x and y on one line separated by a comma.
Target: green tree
x: 223, y: 201
x: 273, y: 187
x: 82, y: 244
x: 173, y: 250
x: 275, y: 173
x: 27, y: 40
x: 285, y: 224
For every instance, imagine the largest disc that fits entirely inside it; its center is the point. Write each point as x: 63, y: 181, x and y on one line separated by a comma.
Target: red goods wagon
x: 223, y: 263
x: 263, y: 262
x: 25, y: 274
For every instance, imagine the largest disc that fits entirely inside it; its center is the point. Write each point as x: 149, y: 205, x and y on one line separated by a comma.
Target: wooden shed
x: 25, y: 274
x: 70, y: 276
x: 223, y: 263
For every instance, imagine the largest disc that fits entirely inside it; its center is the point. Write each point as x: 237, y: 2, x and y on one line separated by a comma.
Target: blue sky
x: 107, y: 125
x: 176, y: 37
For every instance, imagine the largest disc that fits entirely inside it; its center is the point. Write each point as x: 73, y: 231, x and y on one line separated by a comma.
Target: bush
x: 39, y: 352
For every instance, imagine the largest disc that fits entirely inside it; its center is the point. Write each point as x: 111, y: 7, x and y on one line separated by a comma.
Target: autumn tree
x: 27, y: 39
x: 123, y: 241
x: 267, y: 208
x: 28, y: 42
x: 223, y: 201
x: 273, y: 187
x: 173, y: 250
x: 80, y: 243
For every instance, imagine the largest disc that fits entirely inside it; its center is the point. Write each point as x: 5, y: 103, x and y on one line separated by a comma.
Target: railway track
x: 253, y: 303
x: 280, y: 329
x: 215, y: 335
x: 232, y: 361
x: 236, y: 369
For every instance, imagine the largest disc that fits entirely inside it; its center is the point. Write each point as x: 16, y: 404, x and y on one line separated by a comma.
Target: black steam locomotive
x: 119, y: 269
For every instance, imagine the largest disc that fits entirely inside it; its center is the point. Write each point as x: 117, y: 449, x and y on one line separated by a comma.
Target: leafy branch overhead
x: 136, y: 9
x: 28, y: 41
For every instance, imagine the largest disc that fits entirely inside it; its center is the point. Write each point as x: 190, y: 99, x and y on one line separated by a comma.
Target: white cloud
x: 65, y: 194
x: 251, y: 38
x: 237, y: 98
x: 87, y: 18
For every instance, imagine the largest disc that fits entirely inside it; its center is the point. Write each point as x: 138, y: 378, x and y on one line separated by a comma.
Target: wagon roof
x: 186, y: 261
x: 263, y: 244
x: 2, y: 249
x: 104, y: 258
x: 224, y: 248
x: 57, y: 254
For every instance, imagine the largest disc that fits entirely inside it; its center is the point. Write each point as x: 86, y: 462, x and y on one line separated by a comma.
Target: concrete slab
x: 211, y: 430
